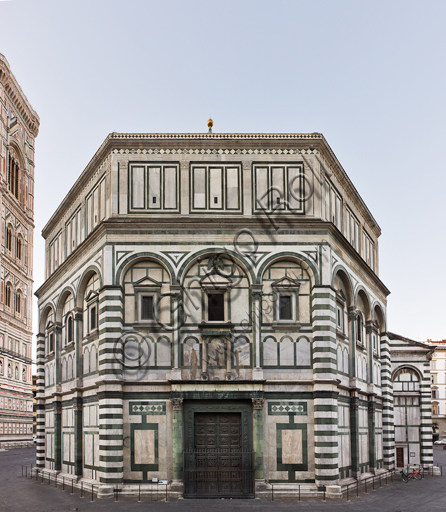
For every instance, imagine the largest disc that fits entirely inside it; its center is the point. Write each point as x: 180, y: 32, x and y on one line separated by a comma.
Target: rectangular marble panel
x: 144, y: 447
x: 154, y: 187
x: 215, y: 187
x: 294, y: 188
x: 138, y: 187
x: 278, y: 188
x: 232, y: 188
x: 170, y: 188
x: 261, y: 177
x: 292, y: 447
x: 199, y: 183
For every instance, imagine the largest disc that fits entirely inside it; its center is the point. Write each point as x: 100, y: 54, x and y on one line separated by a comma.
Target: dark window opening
x: 154, y: 200
x: 216, y: 307
x: 51, y: 343
x: 8, y: 239
x: 285, y: 312
x: 147, y: 307
x: 215, y: 200
x: 93, y: 318
x: 359, y: 328
x: 8, y: 296
x: 69, y: 330
x: 278, y: 200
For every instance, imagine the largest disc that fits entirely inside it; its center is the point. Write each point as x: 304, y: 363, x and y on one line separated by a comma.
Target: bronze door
x: 217, y: 466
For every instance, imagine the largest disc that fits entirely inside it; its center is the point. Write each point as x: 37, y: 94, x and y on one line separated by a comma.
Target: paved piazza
x: 25, y: 495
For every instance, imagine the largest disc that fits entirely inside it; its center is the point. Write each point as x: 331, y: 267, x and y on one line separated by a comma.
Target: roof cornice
x: 124, y: 142
x: 18, y: 98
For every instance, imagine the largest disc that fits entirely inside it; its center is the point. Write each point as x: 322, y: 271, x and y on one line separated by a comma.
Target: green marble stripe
x: 108, y: 469
x: 325, y: 408
x: 327, y: 478
x: 325, y: 421
x: 326, y: 433
x: 110, y: 416
x: 325, y: 466
x: 112, y: 426
x: 326, y: 455
x: 111, y: 447
x: 110, y: 437
x: 324, y: 360
x: 330, y: 350
x: 111, y: 458
x: 325, y: 370
x: 105, y: 480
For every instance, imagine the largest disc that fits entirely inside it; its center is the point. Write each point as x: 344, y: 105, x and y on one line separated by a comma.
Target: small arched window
x: 24, y: 374
x: 70, y: 329
x: 9, y: 238
x: 9, y: 370
x: 359, y: 328
x: 17, y: 372
x: 8, y: 296
x: 18, y: 248
x: 18, y: 303
x: 13, y: 176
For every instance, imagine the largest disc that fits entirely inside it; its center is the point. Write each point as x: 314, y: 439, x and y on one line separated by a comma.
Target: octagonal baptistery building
x: 212, y: 316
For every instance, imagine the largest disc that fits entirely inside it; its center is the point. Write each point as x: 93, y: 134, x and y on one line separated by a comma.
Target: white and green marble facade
x: 172, y: 219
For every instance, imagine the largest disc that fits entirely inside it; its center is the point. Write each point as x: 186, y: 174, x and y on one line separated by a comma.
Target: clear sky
x: 369, y: 75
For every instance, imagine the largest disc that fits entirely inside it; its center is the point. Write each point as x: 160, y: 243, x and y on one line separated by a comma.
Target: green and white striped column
x: 111, y: 456
x: 387, y: 394
x: 40, y: 404
x: 426, y: 455
x: 325, y: 391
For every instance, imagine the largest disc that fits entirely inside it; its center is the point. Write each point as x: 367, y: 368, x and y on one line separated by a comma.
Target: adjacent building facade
x: 438, y: 400
x: 212, y: 315
x: 19, y: 126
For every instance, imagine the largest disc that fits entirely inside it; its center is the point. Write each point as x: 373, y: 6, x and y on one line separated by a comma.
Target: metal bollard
x: 357, y: 488
x: 139, y: 493
x: 272, y: 492
x: 116, y: 494
x: 365, y: 485
x: 347, y: 493
x: 299, y: 492
x: 63, y: 483
x: 92, y: 492
x: 22, y: 469
x: 324, y: 491
x: 72, y: 486
x: 166, y: 493
x: 82, y: 489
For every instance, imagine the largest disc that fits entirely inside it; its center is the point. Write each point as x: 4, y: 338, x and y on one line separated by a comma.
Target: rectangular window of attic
x: 93, y: 318
x: 147, y: 307
x: 215, y: 187
x: 279, y: 187
x: 285, y: 307
x: 154, y: 187
x: 216, y: 307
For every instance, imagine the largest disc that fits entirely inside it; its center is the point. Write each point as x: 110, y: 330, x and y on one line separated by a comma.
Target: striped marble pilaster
x: 111, y: 455
x: 110, y: 331
x: 40, y: 391
x: 325, y: 387
x: 387, y: 394
x: 426, y: 455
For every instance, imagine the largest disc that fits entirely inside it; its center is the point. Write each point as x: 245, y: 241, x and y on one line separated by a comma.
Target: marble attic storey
x: 213, y: 301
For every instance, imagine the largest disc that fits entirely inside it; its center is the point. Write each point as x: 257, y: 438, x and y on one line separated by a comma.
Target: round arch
x: 62, y: 298
x: 128, y: 262
x: 297, y: 257
x: 212, y: 251
x: 17, y: 153
x: 410, y: 367
x: 346, y: 279
x: 88, y: 273
x: 362, y: 292
x: 47, y: 309
x: 379, y: 316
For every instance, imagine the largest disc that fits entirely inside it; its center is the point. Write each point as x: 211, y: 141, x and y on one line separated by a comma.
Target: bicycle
x: 407, y: 476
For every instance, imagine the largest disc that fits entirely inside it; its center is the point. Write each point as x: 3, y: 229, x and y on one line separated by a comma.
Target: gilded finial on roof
x: 210, y: 125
